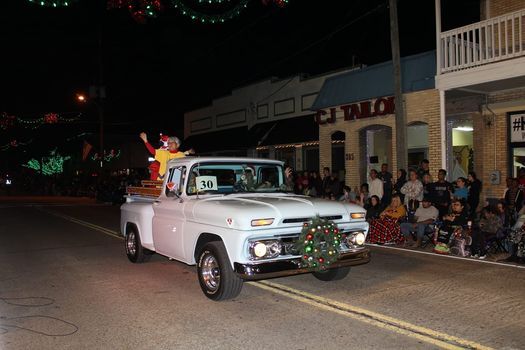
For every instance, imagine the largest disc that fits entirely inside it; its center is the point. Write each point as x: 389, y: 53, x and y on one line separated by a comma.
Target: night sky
x: 156, y: 71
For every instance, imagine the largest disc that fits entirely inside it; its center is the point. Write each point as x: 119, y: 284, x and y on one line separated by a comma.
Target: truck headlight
x: 357, y: 215
x: 354, y: 239
x: 266, y: 249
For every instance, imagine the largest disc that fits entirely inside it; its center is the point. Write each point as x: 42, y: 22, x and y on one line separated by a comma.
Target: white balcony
x: 493, y: 40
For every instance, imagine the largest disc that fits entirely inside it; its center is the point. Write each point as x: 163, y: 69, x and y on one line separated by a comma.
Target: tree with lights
x: 52, y: 165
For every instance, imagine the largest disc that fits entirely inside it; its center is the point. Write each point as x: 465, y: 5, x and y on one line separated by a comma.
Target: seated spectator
x: 386, y: 228
x: 456, y: 219
x: 413, y: 191
x: 373, y: 209
x: 489, y: 225
x: 425, y: 215
x: 503, y: 214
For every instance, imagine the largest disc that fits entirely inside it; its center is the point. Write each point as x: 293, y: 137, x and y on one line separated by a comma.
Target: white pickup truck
x: 237, y: 220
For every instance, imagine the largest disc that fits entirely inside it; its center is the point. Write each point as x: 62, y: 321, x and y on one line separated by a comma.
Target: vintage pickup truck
x: 237, y: 220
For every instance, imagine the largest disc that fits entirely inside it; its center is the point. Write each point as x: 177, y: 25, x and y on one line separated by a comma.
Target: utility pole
x: 401, y: 128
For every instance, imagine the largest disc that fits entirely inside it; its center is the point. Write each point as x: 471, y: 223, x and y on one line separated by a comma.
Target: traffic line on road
x: 426, y: 335
x: 84, y: 223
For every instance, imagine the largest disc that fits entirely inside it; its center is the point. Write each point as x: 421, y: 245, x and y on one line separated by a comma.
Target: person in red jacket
x: 163, y: 155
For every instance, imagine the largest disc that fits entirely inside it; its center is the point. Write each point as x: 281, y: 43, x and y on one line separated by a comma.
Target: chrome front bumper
x: 295, y: 266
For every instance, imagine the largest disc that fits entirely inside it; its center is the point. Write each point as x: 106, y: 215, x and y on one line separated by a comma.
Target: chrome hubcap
x: 131, y: 247
x: 210, y: 272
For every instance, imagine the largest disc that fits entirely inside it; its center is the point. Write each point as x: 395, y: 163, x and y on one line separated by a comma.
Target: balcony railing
x: 493, y: 40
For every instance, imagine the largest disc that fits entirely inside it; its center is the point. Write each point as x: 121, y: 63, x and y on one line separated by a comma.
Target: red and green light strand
x: 205, y: 17
x: 8, y: 121
x: 202, y: 11
x: 319, y: 243
x: 140, y: 10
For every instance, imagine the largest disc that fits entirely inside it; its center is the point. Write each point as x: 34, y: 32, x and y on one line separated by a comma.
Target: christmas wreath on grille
x: 319, y: 243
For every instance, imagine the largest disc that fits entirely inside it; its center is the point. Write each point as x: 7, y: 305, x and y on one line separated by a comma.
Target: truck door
x: 168, y: 218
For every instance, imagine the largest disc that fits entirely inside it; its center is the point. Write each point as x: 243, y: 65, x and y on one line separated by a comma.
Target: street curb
x: 447, y: 256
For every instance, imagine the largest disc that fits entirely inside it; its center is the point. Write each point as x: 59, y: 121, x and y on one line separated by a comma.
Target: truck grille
x: 296, y: 220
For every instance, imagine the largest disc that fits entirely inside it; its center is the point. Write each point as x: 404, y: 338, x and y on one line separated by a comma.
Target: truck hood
x: 237, y: 211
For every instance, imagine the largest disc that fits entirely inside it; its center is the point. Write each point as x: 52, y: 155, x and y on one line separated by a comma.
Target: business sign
x: 517, y: 127
x: 354, y: 111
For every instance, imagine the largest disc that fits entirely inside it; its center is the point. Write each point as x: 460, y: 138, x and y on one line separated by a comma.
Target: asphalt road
x: 65, y: 283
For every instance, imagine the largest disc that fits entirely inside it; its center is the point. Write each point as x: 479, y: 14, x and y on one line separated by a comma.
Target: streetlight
x: 83, y: 99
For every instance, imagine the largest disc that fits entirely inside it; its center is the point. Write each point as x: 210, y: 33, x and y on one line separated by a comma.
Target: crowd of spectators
x: 411, y: 207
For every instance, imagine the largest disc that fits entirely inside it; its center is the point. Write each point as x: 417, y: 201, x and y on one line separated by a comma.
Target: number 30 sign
x: 206, y: 183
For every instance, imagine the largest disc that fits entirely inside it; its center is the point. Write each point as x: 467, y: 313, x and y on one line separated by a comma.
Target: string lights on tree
x: 52, y: 165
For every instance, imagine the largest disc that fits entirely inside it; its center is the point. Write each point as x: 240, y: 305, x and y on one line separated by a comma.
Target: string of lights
x: 202, y: 11
x: 8, y: 121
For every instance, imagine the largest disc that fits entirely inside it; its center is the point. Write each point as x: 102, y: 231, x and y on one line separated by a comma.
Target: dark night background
x: 156, y: 71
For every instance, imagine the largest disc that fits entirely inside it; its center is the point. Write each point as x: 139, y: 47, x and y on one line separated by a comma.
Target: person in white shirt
x: 425, y: 215
x: 375, y: 185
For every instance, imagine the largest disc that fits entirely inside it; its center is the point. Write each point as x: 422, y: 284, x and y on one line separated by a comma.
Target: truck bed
x: 149, y: 188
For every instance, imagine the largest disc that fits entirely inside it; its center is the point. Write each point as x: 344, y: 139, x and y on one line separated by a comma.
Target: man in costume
x: 163, y: 155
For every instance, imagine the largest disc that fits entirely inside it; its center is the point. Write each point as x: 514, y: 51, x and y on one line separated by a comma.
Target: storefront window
x: 517, y: 142
x: 377, y: 141
x: 417, y: 144
x: 460, y: 150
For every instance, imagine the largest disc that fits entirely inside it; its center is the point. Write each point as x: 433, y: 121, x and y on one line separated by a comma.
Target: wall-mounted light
x: 464, y: 128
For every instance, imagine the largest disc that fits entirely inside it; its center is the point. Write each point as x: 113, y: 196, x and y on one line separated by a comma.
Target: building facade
x: 358, y: 107
x: 464, y: 105
x: 268, y: 119
x: 481, y: 84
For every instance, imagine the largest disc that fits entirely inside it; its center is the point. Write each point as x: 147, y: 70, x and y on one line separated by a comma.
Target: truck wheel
x: 134, y: 250
x: 217, y: 279
x: 332, y: 274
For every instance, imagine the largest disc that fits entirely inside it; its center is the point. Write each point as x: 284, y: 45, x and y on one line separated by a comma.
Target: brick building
x: 481, y: 84
x: 464, y: 105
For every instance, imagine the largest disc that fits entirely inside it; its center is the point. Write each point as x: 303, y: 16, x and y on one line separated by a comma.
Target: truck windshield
x: 232, y: 177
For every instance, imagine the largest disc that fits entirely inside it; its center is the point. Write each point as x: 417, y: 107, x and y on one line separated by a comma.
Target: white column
x: 438, y: 36
x: 443, y: 128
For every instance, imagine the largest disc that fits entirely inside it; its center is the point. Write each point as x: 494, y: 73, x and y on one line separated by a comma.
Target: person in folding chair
x: 424, y: 217
x: 489, y: 225
x: 452, y: 222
